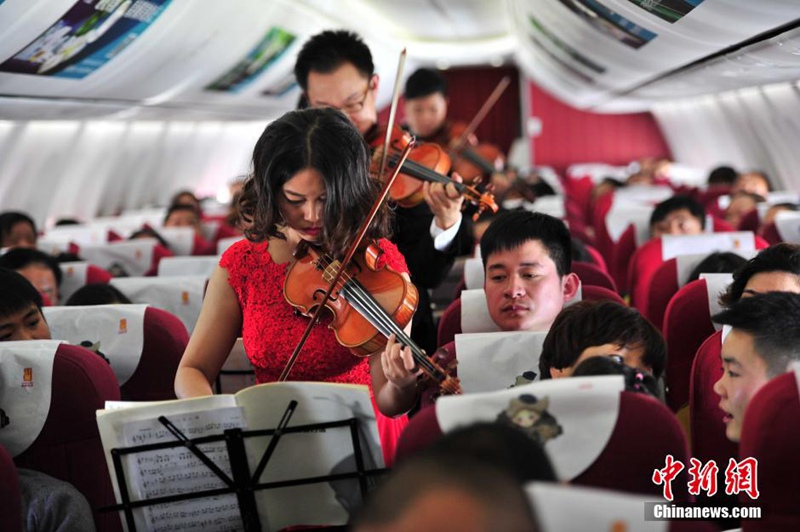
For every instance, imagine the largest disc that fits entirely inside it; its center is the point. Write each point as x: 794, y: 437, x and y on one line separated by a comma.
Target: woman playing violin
x: 310, y: 185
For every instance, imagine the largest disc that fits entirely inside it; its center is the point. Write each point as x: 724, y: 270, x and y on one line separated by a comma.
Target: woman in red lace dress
x: 310, y: 183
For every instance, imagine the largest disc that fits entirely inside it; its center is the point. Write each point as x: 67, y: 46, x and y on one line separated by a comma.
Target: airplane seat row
x: 68, y: 445
x: 10, y: 499
x: 645, y: 432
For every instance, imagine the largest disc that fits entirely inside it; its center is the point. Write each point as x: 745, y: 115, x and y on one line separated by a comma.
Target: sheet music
x: 177, y: 470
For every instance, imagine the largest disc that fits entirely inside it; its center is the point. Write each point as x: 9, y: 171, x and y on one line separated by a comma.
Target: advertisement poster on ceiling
x: 86, y: 37
x: 670, y: 10
x: 610, y: 22
x: 271, y: 47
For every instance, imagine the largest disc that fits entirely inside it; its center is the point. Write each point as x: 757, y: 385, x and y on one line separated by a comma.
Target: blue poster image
x: 89, y: 35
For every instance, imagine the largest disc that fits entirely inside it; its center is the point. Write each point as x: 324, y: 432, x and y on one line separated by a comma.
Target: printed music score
x: 177, y: 471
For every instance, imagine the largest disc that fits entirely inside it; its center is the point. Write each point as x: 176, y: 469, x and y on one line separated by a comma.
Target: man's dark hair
x: 9, y: 219
x: 773, y: 320
x: 327, y: 51
x: 19, y: 258
x: 512, y: 229
x: 718, y: 262
x: 97, y: 294
x: 676, y: 203
x: 594, y: 323
x: 500, y: 445
x: 781, y: 257
x: 424, y: 82
x: 179, y: 207
x: 18, y: 293
x: 722, y: 175
x: 504, y: 502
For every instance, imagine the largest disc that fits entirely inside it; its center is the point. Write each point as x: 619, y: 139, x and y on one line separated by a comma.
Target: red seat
x: 750, y: 222
x: 590, y: 274
x: 645, y: 433
x: 579, y: 192
x: 663, y: 286
x: 708, y: 439
x: 69, y: 447
x: 770, y: 233
x: 771, y: 435
x: 602, y: 239
x: 597, y: 257
x: 687, y: 323
x: 165, y: 340
x: 10, y: 499
x: 449, y: 323
x: 621, y: 256
x: 598, y: 293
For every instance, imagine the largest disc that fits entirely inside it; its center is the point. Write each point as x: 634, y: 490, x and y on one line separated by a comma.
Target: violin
x: 368, y: 303
x: 426, y: 162
x: 473, y: 162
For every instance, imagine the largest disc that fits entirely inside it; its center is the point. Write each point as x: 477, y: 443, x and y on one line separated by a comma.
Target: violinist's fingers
x: 457, y: 177
x: 409, y: 362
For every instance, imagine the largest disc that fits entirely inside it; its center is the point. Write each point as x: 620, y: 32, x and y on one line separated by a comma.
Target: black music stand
x: 243, y: 484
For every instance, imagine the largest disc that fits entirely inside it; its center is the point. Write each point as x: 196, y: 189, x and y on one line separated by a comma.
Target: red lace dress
x: 271, y: 329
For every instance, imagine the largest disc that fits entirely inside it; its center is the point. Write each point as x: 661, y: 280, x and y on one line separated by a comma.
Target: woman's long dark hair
x: 325, y: 140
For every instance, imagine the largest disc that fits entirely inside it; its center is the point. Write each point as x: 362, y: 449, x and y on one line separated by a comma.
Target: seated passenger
x: 678, y: 215
x: 183, y: 216
x: 21, y: 315
x: 763, y: 341
x: 48, y: 504
x: 635, y: 380
x: 188, y: 199
x: 527, y: 258
x: 775, y: 269
x: 753, y: 182
x: 741, y: 204
x: 601, y: 328
x: 717, y: 262
x: 97, y: 294
x: 724, y: 176
x: 39, y: 268
x: 17, y: 230
x: 432, y: 491
x: 769, y: 216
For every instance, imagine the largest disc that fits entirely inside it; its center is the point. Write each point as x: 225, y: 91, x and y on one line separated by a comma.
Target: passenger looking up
x: 764, y: 339
x: 17, y: 229
x: 678, y: 215
x: 335, y: 70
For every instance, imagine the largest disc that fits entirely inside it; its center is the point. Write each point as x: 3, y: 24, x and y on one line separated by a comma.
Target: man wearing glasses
x: 335, y: 69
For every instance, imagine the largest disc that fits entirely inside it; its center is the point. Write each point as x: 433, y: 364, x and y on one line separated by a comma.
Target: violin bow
x: 480, y: 115
x: 401, y: 64
x: 364, y: 227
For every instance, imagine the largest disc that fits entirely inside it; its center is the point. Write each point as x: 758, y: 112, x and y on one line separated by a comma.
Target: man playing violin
x: 335, y: 69
x: 425, y: 107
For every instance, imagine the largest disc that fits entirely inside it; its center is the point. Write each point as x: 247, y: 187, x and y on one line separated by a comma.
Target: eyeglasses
x: 353, y: 107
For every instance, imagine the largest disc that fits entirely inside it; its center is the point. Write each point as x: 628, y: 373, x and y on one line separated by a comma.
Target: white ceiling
x: 162, y: 75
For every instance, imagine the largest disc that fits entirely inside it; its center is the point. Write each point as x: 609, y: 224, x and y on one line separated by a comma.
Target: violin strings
x: 421, y: 171
x: 378, y: 316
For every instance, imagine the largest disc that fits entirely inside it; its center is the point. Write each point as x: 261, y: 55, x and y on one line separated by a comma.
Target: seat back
x: 771, y: 435
x: 687, y: 323
x: 68, y: 446
x: 143, y: 344
x: 77, y: 275
x: 181, y: 296
x: 644, y: 434
x: 590, y: 274
x: 10, y: 499
x: 620, y: 257
x: 598, y: 293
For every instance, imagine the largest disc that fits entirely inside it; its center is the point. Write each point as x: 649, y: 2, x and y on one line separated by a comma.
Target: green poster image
x: 258, y: 60
x: 670, y: 10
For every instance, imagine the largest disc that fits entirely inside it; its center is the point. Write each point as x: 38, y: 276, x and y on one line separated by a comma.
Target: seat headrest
x: 573, y: 418
x: 513, y: 357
